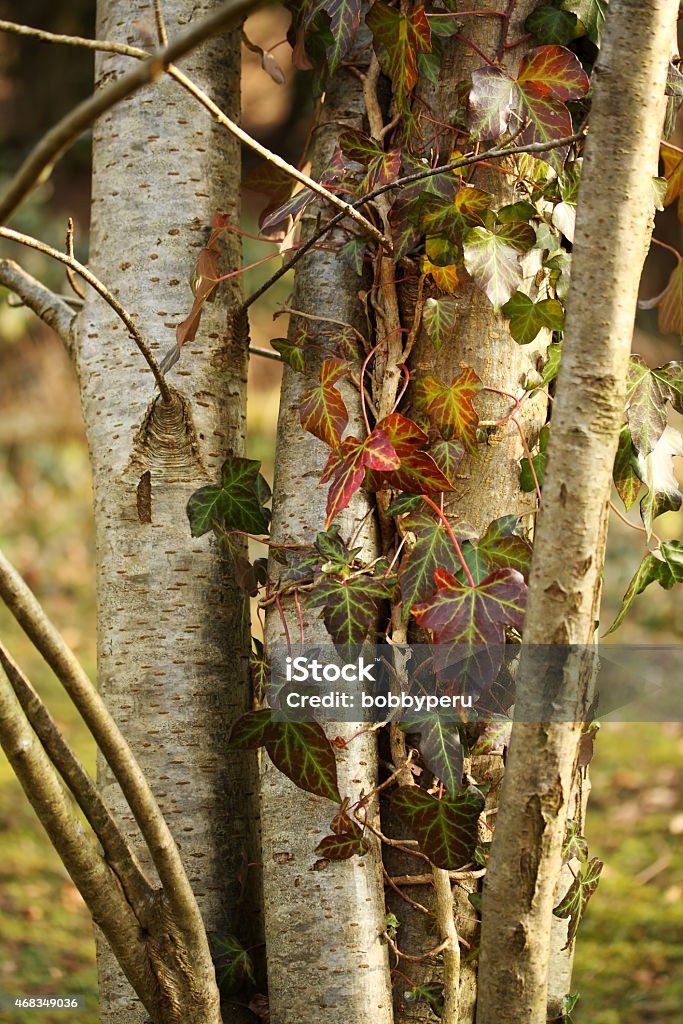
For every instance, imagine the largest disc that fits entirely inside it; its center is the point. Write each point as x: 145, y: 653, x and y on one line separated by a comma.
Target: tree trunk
x: 324, y: 919
x: 173, y: 628
x: 621, y: 159
x: 489, y: 482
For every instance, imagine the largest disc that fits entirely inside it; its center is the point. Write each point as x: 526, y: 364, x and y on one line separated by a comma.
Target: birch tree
x: 431, y: 258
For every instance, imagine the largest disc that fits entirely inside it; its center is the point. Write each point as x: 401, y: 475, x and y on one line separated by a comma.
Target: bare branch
x: 497, y: 153
x: 349, y: 209
x: 161, y: 25
x: 164, y: 853
x: 69, y: 249
x: 51, y: 309
x: 93, y: 878
x: 69, y: 261
x: 65, y: 133
x: 445, y: 922
x: 118, y: 853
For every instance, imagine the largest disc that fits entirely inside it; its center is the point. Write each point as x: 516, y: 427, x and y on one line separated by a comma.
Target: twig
x: 134, y: 786
x: 161, y: 26
x: 414, y: 959
x: 491, y: 154
x: 404, y: 896
x: 455, y: 876
x: 265, y: 353
x: 118, y: 853
x: 70, y: 276
x: 51, y: 309
x: 69, y: 261
x: 66, y: 131
x: 445, y: 920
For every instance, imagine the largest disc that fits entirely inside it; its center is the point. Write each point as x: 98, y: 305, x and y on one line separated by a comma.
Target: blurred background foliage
x: 629, y: 966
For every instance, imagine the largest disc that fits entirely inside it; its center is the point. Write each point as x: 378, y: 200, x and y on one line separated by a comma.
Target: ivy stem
x: 634, y: 526
x: 299, y: 612
x: 527, y: 452
x: 285, y: 627
x: 454, y: 539
x: 473, y: 46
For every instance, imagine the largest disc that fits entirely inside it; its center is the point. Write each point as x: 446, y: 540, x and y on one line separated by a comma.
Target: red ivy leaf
x: 344, y: 21
x: 346, y: 467
x: 450, y: 407
x: 349, y: 606
x: 553, y: 71
x: 323, y: 411
x: 473, y: 615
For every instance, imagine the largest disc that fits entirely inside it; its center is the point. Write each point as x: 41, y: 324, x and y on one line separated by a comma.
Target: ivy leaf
x: 448, y: 456
x: 440, y: 748
x: 503, y: 548
x: 404, y: 434
x: 301, y: 750
x: 580, y: 891
x: 303, y: 753
x: 350, y: 607
x: 663, y: 566
x: 591, y: 13
x: 234, y: 967
x: 344, y: 21
x: 446, y: 829
x: 552, y: 25
x: 450, y: 216
x: 342, y: 846
x: 526, y: 477
x: 492, y: 259
x: 291, y: 352
x: 553, y: 71
x: 656, y: 470
x: 398, y: 39
x: 439, y: 318
x: 445, y: 278
x: 382, y: 167
x: 405, y: 503
x: 250, y: 731
x: 672, y: 158
x: 491, y: 102
x: 432, y: 994
x: 649, y: 392
x: 626, y: 479
x: 527, y: 318
x: 333, y: 551
x: 417, y: 473
x: 552, y: 365
x: 449, y: 406
x: 670, y: 303
x: 433, y: 548
x: 237, y: 502
x: 473, y: 619
x: 323, y: 411
x: 347, y: 464
x: 574, y: 846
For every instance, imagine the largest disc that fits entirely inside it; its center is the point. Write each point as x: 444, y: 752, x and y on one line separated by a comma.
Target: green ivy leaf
x: 291, y: 352
x: 552, y: 365
x: 439, y: 318
x: 334, y: 551
x: 346, y: 839
x: 649, y: 392
x: 234, y: 967
x: 663, y: 566
x: 626, y: 479
x: 250, y: 731
x: 552, y: 25
x: 527, y: 318
x: 237, y: 502
x: 503, y: 548
x: 433, y: 549
x: 591, y: 13
x: 492, y: 259
x: 350, y: 607
x: 574, y: 903
x: 446, y: 829
x: 303, y: 753
x: 448, y: 456
x: 440, y: 748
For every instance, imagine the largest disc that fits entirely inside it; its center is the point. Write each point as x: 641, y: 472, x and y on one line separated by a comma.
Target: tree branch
x: 163, y: 850
x: 93, y: 878
x: 51, y: 309
x: 183, y: 80
x: 497, y: 153
x: 118, y: 853
x: 101, y: 289
x: 65, y: 133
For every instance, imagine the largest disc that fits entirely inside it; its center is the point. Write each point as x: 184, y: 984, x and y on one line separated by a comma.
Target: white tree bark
x: 324, y: 919
x: 173, y: 628
x: 614, y: 219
